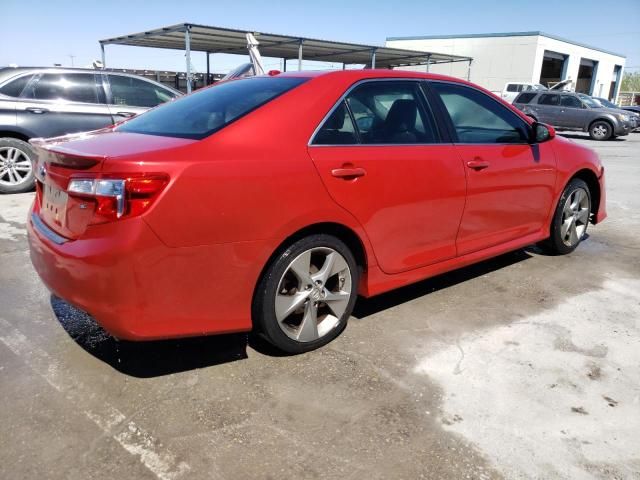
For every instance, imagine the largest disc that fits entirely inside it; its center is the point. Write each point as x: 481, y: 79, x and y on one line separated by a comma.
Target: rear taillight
x: 117, y: 196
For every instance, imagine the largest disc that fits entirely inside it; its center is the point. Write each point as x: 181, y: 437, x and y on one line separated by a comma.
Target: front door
x: 572, y: 113
x: 509, y: 181
x: 380, y: 158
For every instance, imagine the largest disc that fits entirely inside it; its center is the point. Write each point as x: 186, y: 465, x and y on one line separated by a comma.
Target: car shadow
x: 577, y: 136
x: 370, y: 306
x: 152, y: 358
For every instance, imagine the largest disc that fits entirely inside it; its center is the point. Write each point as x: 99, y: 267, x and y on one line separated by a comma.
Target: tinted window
x: 337, y: 129
x: 477, y: 118
x: 207, y: 111
x: 14, y: 88
x: 390, y: 112
x: 72, y: 87
x: 549, y: 99
x: 136, y: 92
x: 525, y: 97
x: 514, y: 87
x: 570, y: 101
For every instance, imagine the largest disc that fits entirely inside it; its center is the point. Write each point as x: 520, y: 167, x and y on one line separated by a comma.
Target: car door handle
x: 37, y: 110
x: 126, y: 114
x: 348, y: 172
x: 477, y: 164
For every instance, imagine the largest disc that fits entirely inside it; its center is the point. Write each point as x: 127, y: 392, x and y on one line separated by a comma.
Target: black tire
x: 273, y: 281
x: 600, y: 130
x: 556, y: 244
x: 29, y: 182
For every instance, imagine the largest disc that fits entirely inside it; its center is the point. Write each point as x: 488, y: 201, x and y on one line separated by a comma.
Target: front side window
x: 71, y: 87
x: 477, y: 118
x: 570, y: 101
x: 549, y: 99
x: 206, y: 111
x: 15, y: 87
x: 135, y: 92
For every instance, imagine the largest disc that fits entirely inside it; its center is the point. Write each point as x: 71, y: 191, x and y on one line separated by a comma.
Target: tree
x: 630, y: 82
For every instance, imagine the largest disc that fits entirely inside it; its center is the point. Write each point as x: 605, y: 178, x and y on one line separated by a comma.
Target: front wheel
x: 16, y: 166
x: 600, y: 130
x: 571, y: 218
x: 307, y: 294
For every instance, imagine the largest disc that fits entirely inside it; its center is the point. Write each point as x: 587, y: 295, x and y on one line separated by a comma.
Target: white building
x: 535, y: 57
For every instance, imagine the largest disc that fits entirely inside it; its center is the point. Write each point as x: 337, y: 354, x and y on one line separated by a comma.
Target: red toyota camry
x: 270, y: 203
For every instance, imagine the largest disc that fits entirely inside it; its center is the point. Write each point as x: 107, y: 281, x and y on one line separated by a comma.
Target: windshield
x: 589, y: 101
x: 606, y: 103
x: 209, y: 110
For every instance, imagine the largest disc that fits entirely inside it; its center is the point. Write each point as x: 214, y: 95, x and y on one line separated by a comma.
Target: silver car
x: 568, y: 110
x: 48, y: 102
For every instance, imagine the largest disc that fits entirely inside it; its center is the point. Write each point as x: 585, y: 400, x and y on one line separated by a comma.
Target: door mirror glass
x: 541, y: 133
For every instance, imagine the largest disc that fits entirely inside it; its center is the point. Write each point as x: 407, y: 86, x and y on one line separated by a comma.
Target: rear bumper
x: 137, y: 288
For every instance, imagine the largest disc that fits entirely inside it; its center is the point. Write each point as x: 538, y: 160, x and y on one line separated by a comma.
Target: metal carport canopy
x: 192, y: 37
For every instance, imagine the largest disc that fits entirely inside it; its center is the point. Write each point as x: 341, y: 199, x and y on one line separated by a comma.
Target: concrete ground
x: 525, y: 366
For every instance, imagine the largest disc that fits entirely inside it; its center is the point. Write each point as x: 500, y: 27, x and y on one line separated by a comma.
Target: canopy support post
x: 428, y: 63
x: 284, y: 64
x: 104, y: 62
x: 207, y: 81
x: 469, y: 70
x: 187, y: 47
x: 373, y: 58
x: 300, y: 56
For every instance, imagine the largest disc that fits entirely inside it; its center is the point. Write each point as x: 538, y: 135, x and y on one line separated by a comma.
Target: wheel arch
x: 602, y: 119
x: 14, y: 134
x: 591, y: 179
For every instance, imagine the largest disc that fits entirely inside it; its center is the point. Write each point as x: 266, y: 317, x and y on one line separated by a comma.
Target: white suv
x: 512, y: 89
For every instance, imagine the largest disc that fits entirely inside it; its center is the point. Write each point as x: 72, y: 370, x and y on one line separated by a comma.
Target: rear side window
x: 514, y: 87
x: 136, y: 92
x: 390, y: 112
x: 337, y: 129
x: 15, y: 87
x: 71, y: 87
x: 209, y: 110
x: 549, y: 99
x: 525, y: 97
x: 570, y: 101
x: 478, y: 118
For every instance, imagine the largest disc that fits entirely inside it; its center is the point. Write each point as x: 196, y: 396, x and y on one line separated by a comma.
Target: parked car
x: 512, y: 89
x: 233, y: 209
x: 633, y: 108
x: 48, y: 102
x: 635, y: 116
x: 569, y: 111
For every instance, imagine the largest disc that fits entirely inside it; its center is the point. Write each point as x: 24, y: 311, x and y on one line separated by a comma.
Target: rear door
x: 572, y: 112
x: 547, y: 108
x: 509, y: 181
x: 381, y: 157
x: 60, y: 103
x: 128, y: 96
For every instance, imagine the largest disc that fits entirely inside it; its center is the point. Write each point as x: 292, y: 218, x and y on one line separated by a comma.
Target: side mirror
x: 541, y: 132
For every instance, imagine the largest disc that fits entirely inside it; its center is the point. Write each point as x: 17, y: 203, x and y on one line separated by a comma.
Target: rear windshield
x: 207, y: 111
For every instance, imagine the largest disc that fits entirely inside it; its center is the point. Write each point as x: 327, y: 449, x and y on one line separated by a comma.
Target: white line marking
x: 135, y: 440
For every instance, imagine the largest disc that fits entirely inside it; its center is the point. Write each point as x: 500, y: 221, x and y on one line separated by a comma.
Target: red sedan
x: 270, y: 203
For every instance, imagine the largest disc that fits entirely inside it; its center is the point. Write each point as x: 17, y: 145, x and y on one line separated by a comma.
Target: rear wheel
x: 571, y: 218
x: 600, y: 130
x: 307, y: 294
x: 16, y: 166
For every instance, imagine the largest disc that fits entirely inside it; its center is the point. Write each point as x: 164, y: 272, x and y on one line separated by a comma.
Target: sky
x: 41, y: 33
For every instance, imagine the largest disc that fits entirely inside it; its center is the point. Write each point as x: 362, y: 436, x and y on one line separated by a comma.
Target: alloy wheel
x: 575, y: 217
x: 600, y: 131
x: 15, y: 166
x: 313, y: 294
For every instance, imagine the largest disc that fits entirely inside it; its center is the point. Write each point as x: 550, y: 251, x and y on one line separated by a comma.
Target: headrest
x: 402, y: 115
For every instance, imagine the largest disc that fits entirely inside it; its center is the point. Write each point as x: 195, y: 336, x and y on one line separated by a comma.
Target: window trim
x: 422, y: 98
x: 549, y: 104
x: 567, y: 95
x: 451, y: 127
